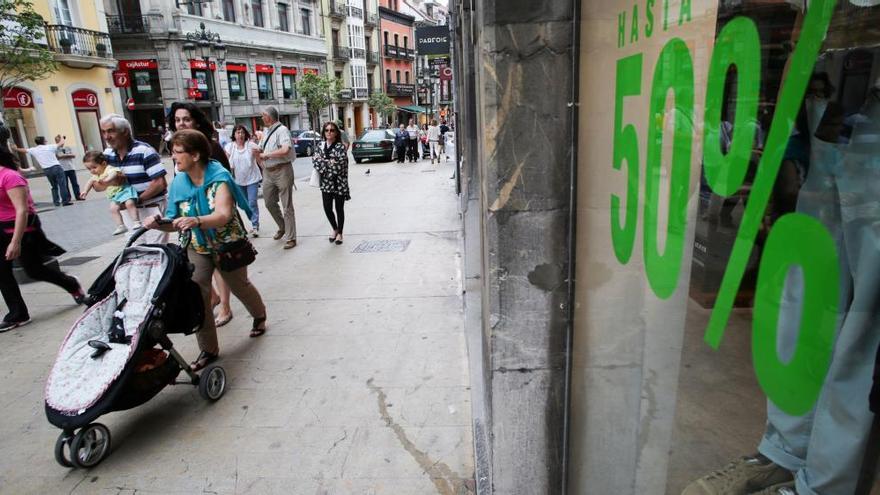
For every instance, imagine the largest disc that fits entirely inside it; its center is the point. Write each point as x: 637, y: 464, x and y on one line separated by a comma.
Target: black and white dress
x: 332, y: 164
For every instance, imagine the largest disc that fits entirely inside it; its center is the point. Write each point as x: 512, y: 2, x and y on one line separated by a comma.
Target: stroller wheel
x: 212, y: 383
x: 60, y: 456
x: 90, y: 446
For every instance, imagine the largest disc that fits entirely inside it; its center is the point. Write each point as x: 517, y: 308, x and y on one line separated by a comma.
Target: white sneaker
x: 121, y: 229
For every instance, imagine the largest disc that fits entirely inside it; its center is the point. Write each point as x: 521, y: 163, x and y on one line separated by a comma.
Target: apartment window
x: 288, y: 86
x: 398, y: 77
x: 306, y: 16
x: 388, y: 75
x: 386, y: 37
x: 62, y: 12
x: 191, y: 8
x: 236, y: 85
x: 396, y: 40
x: 264, y: 86
x: 407, y: 77
x: 229, y: 10
x: 283, y: 23
x: 257, y: 8
x: 406, y: 41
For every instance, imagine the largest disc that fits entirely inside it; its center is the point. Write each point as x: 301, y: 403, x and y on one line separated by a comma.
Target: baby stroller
x: 118, y: 355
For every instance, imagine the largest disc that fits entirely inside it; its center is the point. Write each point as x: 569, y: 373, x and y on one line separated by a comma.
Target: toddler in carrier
x: 103, y: 177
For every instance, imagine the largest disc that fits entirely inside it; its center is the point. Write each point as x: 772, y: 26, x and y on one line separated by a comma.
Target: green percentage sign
x: 796, y: 240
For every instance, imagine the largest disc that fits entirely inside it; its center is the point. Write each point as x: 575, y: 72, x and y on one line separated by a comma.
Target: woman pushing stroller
x: 201, y: 203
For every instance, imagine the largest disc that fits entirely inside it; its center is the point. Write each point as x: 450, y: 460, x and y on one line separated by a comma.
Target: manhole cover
x: 389, y: 246
x: 78, y: 260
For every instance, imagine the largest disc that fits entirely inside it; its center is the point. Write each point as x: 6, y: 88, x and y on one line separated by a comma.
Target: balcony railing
x: 341, y: 52
x: 345, y: 94
x: 400, y: 52
x: 128, y: 24
x: 361, y: 93
x: 357, y: 12
x: 397, y: 89
x: 71, y: 45
x: 358, y: 53
x: 372, y: 58
x: 371, y: 20
x: 338, y: 9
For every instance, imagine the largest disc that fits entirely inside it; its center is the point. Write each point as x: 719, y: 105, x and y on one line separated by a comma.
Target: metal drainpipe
x: 572, y: 242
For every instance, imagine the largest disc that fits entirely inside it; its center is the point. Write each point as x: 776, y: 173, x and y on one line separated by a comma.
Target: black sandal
x: 257, y: 329
x: 204, y: 359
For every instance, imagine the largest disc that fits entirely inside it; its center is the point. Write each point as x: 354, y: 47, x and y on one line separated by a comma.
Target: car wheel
x: 309, y: 151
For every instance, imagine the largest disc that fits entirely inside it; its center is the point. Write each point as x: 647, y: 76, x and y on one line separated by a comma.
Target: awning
x: 415, y: 109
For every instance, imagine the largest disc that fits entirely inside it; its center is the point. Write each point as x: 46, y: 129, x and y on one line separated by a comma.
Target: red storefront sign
x: 264, y: 69
x: 236, y: 67
x: 310, y: 71
x: 138, y: 64
x: 17, y: 98
x: 130, y: 103
x: 121, y: 79
x: 445, y: 73
x: 201, y: 65
x: 84, y: 98
x: 288, y: 70
x: 195, y: 93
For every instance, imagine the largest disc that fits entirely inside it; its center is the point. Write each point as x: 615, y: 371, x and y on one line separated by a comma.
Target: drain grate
x: 388, y: 246
x: 78, y: 260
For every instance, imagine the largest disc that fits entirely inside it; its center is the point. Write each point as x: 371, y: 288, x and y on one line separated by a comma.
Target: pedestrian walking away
x: 246, y: 171
x: 121, y: 197
x: 433, y: 135
x: 401, y: 137
x: 65, y: 157
x: 332, y: 165
x: 202, y: 205
x: 274, y: 155
x: 22, y: 238
x: 45, y: 156
x: 141, y: 167
x: 412, y: 145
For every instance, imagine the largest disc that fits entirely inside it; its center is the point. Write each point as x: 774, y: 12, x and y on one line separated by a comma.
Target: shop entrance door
x: 89, y: 130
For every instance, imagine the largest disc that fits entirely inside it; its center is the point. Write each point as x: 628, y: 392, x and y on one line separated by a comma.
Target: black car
x: 374, y: 144
x: 304, y: 142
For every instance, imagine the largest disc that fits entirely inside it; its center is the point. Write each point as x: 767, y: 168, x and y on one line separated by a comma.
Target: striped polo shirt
x: 141, y: 165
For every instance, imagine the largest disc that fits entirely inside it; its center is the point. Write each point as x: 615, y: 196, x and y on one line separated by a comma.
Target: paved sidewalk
x: 359, y: 386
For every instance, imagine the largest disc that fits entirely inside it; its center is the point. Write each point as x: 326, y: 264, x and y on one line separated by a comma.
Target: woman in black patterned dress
x: 331, y: 162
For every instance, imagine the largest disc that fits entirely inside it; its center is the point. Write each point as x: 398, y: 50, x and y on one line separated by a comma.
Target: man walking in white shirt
x: 44, y: 154
x: 274, y: 155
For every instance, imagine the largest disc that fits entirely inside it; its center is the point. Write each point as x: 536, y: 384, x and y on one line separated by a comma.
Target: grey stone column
x: 514, y: 81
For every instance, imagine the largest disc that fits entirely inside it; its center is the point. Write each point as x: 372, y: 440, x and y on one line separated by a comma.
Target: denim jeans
x: 58, y: 180
x: 251, y: 191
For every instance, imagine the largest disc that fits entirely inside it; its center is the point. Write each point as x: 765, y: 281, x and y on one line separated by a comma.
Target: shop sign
x: 121, y: 79
x: 440, y: 61
x: 264, y: 69
x: 84, y: 98
x: 794, y: 240
x: 17, y: 98
x: 201, y: 65
x: 308, y: 70
x: 288, y: 70
x: 432, y: 40
x: 130, y: 104
x: 138, y: 64
x: 236, y: 67
x: 445, y: 73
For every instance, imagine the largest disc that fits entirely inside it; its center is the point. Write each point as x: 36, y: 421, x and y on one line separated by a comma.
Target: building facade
x: 353, y: 58
x: 74, y: 98
x: 398, y: 54
x: 269, y: 44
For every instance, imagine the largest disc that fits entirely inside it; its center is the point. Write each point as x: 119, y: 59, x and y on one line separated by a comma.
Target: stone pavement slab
x: 359, y: 386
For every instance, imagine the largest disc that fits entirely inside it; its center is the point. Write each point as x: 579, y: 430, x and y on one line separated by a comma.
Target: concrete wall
x: 514, y: 82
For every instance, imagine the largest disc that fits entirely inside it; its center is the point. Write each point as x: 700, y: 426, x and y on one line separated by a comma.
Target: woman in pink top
x: 22, y: 238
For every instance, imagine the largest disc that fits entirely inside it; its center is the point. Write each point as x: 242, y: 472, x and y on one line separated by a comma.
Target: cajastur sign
x: 138, y: 64
x: 432, y: 40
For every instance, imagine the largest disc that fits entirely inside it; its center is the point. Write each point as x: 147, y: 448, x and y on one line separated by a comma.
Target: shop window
x: 204, y: 82
x: 264, y: 86
x: 237, y: 88
x: 288, y: 86
x: 145, y: 86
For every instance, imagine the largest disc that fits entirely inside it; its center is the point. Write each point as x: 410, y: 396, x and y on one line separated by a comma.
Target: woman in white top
x: 433, y: 140
x: 246, y: 171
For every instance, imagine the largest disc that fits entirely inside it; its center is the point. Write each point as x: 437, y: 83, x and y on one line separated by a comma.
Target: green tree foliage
x: 382, y: 104
x: 318, y: 91
x: 23, y: 52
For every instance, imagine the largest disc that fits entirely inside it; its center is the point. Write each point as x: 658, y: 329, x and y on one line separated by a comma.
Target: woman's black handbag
x: 231, y: 256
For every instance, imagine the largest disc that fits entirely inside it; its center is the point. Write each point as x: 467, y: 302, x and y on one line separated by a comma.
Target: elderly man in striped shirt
x: 141, y: 166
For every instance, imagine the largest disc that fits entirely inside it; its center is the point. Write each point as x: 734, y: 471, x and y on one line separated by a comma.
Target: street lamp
x: 205, y: 44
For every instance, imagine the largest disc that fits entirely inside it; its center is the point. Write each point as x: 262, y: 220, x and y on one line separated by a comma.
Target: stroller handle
x: 140, y: 231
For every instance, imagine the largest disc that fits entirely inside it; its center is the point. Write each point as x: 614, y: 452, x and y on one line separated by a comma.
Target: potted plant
x: 65, y: 43
x: 101, y: 48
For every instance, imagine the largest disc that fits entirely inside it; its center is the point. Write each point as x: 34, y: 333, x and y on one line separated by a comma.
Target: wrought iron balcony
x: 338, y: 9
x: 396, y: 89
x: 358, y: 53
x: 345, y: 94
x: 361, y: 93
x: 129, y: 24
x: 357, y: 12
x: 392, y: 51
x: 79, y: 48
x: 341, y: 53
x: 371, y: 19
x: 372, y: 58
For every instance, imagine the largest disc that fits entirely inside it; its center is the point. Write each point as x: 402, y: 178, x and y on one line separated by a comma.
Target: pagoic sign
x: 432, y: 40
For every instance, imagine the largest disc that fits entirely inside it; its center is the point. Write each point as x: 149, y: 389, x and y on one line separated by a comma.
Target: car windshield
x: 374, y: 136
